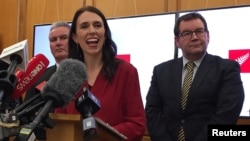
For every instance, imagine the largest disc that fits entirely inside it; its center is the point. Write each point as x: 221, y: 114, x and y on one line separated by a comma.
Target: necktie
x: 187, y: 83
x: 185, y: 90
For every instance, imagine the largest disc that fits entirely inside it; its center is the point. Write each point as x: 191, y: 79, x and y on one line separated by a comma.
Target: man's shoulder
x: 169, y: 62
x: 46, y: 75
x: 51, y: 69
x: 220, y: 59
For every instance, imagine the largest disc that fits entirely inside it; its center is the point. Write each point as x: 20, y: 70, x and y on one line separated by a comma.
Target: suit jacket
x: 216, y: 97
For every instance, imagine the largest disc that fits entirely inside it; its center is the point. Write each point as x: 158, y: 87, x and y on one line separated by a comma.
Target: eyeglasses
x: 189, y: 34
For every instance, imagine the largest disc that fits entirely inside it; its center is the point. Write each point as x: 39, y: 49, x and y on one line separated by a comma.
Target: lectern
x: 69, y: 128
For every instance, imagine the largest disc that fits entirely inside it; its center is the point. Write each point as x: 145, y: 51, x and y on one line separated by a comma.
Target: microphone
x: 20, y: 49
x: 36, y: 67
x: 37, y: 98
x: 59, y: 90
x: 87, y: 104
x: 3, y: 65
x: 26, y: 111
x: 16, y: 55
x: 8, y: 80
x: 19, y: 74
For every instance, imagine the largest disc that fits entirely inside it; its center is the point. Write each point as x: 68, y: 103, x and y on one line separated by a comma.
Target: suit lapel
x: 177, y: 84
x: 200, y: 75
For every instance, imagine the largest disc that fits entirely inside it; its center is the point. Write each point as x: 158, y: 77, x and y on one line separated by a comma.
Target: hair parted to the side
x: 109, y: 50
x: 188, y: 17
x: 59, y: 24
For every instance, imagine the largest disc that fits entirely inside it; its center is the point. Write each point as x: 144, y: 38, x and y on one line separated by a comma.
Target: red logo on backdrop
x: 125, y: 57
x: 242, y: 57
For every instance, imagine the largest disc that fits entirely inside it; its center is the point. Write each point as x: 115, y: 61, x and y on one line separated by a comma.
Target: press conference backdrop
x: 148, y: 40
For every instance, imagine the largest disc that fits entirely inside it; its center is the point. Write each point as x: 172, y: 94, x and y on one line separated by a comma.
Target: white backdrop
x: 149, y: 40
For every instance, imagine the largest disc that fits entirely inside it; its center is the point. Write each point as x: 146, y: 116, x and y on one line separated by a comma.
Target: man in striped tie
x: 191, y: 92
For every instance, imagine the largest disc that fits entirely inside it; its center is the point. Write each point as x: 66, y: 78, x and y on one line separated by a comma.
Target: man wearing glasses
x: 196, y: 90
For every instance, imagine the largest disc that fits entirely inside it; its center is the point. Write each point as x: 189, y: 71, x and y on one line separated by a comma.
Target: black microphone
x: 3, y: 65
x: 8, y: 80
x: 26, y: 111
x: 87, y: 104
x: 21, y: 49
x: 58, y: 91
x: 17, y: 56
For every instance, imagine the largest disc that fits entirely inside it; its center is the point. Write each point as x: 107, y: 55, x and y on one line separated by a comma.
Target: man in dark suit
x: 58, y: 38
x: 215, y: 95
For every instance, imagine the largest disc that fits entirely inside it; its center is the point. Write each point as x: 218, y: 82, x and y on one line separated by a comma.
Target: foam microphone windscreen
x: 65, y: 82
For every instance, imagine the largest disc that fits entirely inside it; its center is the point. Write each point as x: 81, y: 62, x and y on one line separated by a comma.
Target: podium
x: 69, y: 128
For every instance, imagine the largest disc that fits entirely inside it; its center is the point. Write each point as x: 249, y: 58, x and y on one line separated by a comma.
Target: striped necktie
x: 185, y: 90
x: 187, y: 83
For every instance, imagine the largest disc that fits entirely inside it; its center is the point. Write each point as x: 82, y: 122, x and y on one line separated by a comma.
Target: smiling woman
x: 113, y: 81
x: 137, y: 39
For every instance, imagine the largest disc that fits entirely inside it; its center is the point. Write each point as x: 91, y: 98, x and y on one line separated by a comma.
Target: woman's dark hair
x: 188, y: 17
x: 109, y: 50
